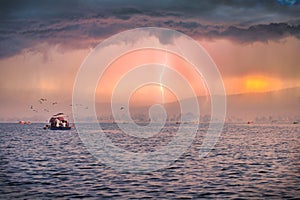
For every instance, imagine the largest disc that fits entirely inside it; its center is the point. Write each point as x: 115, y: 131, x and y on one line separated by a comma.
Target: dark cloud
x: 262, y: 33
x: 80, y: 24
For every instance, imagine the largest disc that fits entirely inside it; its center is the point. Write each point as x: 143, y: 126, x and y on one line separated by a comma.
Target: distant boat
x: 58, y: 122
x: 23, y: 122
x: 295, y: 122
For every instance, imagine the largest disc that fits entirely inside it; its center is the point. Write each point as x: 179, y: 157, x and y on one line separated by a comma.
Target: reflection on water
x: 250, y: 161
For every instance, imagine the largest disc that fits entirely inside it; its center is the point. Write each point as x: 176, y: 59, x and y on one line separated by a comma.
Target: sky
x: 255, y: 44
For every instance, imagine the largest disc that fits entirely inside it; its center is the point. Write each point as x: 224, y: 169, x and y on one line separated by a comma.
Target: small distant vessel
x: 295, y: 122
x: 24, y: 122
x: 58, y: 122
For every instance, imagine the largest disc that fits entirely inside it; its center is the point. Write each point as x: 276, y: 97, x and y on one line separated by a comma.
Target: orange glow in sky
x: 155, y: 94
x: 256, y: 84
x: 150, y: 93
x: 260, y: 84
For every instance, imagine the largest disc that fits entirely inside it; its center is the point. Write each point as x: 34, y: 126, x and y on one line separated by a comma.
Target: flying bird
x: 54, y: 103
x: 41, y: 100
x: 122, y: 108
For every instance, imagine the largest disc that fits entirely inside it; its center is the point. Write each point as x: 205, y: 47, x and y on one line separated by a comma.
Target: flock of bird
x: 43, y: 101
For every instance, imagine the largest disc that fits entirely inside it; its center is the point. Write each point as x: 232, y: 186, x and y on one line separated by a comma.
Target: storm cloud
x: 83, y: 24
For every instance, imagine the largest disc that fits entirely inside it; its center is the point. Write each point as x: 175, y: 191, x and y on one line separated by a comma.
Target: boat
x: 24, y: 122
x: 58, y: 122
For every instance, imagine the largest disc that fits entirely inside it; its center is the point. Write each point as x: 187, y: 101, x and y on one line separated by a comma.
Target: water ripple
x: 248, y: 162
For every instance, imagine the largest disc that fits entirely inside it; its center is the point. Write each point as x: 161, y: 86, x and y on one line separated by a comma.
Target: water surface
x: 249, y: 161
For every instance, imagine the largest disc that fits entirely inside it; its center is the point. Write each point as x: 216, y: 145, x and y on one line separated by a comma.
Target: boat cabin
x: 58, y: 122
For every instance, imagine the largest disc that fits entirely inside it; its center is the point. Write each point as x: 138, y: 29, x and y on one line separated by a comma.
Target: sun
x: 256, y: 84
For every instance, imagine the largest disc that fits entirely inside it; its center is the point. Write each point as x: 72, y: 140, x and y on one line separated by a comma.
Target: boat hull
x: 60, y: 128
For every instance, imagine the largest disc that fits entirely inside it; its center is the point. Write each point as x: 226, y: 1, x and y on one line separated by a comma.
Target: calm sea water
x: 248, y: 162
